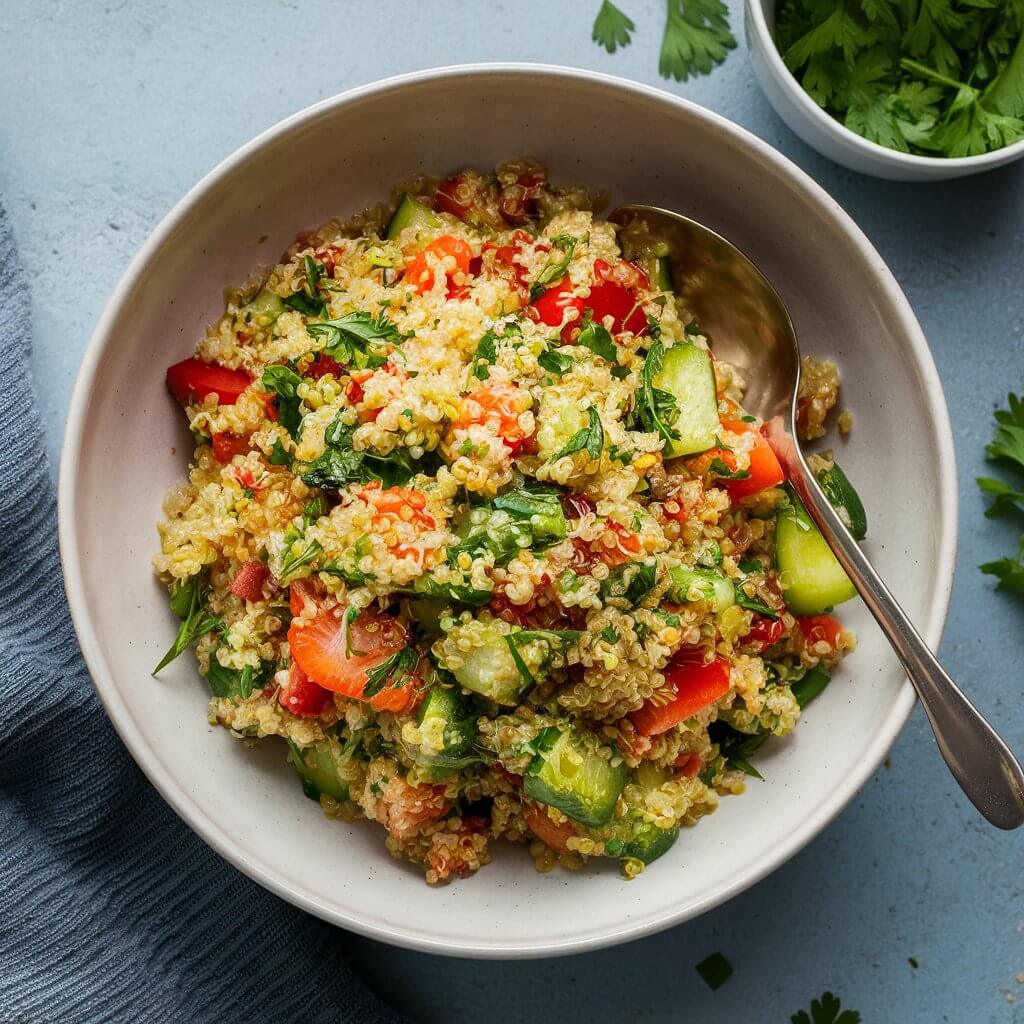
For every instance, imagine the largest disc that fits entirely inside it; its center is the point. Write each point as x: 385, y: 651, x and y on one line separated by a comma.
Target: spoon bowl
x: 723, y: 291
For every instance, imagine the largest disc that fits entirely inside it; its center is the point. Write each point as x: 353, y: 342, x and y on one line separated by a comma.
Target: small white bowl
x: 127, y: 443
x: 833, y: 139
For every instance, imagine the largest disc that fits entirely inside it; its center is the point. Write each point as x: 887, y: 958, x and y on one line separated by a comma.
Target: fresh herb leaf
x: 313, y: 510
x: 358, y: 337
x: 308, y: 300
x: 1007, y: 446
x: 554, y: 641
x: 810, y: 685
x: 1006, y: 498
x: 1009, y: 571
x: 595, y: 337
x: 541, y: 743
x: 609, y: 634
x: 279, y: 456
x: 293, y: 562
x: 590, y: 439
x: 240, y: 683
x: 395, y: 671
x: 485, y: 355
x: 513, y: 521
x: 715, y: 970
x: 283, y: 383
x: 826, y: 1010
x: 658, y: 410
x: 697, y: 37
x: 752, y: 604
x: 612, y: 27
x: 555, y: 362
x: 631, y: 582
x: 186, y: 603
x: 1008, y: 442
x: 554, y: 270
x: 718, y: 468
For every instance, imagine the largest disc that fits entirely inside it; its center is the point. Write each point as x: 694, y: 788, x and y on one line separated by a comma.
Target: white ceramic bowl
x: 126, y: 443
x: 833, y: 139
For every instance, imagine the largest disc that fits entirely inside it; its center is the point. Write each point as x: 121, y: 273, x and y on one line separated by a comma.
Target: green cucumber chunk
x: 647, y: 842
x: 844, y: 499
x: 447, y: 727
x: 264, y: 308
x: 686, y: 373
x: 812, y: 578
x: 701, y: 585
x: 411, y: 213
x: 514, y: 521
x: 664, y: 274
x: 317, y: 770
x: 573, y: 777
x: 490, y: 671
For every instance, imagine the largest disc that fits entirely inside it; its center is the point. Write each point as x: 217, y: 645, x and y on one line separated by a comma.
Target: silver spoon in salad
x: 736, y: 306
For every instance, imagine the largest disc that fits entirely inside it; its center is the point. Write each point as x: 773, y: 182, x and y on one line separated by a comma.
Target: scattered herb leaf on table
x: 1007, y: 447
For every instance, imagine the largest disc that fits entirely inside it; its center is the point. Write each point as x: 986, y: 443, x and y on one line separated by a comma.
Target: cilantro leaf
x: 826, y: 1010
x: 283, y: 382
x: 590, y: 439
x: 1009, y: 571
x: 839, y: 31
x: 697, y: 37
x: 612, y: 27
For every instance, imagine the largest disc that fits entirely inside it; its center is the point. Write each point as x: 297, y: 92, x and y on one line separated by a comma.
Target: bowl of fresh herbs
x: 912, y: 90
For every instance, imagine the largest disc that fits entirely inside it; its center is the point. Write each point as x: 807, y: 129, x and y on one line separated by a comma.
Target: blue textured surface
x: 110, y: 112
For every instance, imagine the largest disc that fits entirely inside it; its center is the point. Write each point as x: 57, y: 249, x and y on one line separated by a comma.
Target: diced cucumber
x: 317, y: 770
x: 428, y: 588
x: 845, y: 500
x: 686, y: 373
x: 559, y: 417
x: 411, y: 213
x: 573, y: 777
x: 664, y: 274
x: 702, y: 585
x: 646, y: 842
x: 515, y: 520
x: 491, y: 671
x: 812, y: 578
x: 264, y: 309
x: 447, y: 727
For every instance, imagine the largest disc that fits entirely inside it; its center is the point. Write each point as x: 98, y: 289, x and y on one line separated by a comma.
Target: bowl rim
x: 185, y: 805
x: 882, y: 154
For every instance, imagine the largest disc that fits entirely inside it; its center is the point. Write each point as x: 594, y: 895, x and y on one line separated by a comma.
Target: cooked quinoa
x: 476, y: 524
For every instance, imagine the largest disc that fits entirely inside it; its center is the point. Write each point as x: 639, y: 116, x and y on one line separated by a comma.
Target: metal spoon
x: 750, y: 327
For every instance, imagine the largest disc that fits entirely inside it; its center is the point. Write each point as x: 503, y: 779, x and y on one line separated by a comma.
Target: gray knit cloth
x: 110, y: 909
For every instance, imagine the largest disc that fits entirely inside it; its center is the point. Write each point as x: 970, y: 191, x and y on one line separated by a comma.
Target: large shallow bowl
x: 126, y: 444
x: 832, y: 138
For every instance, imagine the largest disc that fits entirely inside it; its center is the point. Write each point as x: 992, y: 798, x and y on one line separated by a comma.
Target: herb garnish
x: 590, y: 439
x: 658, y: 409
x: 233, y: 682
x: 554, y: 270
x: 1007, y: 445
x: 186, y: 603
x: 308, y: 300
x: 283, y: 382
x: 553, y: 640
x: 555, y: 362
x: 826, y: 1011
x: 395, y: 671
x: 596, y: 337
x: 357, y: 337
x: 612, y: 27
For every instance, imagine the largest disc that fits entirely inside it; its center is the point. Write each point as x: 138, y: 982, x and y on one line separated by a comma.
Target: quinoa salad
x: 479, y: 531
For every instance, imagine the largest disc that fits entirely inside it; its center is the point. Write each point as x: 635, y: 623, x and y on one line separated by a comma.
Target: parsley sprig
x: 658, y: 409
x: 697, y: 35
x: 358, y: 337
x: 590, y: 439
x: 935, y: 78
x: 826, y: 1010
x: 394, y: 671
x: 1007, y: 447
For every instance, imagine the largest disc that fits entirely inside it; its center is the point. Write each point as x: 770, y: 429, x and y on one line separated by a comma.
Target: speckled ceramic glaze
x: 127, y: 442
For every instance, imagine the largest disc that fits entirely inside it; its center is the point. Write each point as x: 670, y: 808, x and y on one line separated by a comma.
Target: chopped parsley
x: 590, y: 439
x: 554, y: 270
x: 279, y: 456
x: 233, y: 682
x: 1007, y: 446
x: 308, y: 300
x: 358, y: 338
x: 485, y: 355
x: 658, y: 410
x: 554, y: 641
x: 609, y: 634
x: 826, y: 1010
x: 596, y: 337
x: 555, y: 362
x: 283, y: 382
x: 395, y: 671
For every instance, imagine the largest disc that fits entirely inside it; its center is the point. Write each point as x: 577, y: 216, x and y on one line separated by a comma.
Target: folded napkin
x: 110, y: 908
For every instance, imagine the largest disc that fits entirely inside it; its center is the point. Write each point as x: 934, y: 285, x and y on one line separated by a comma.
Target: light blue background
x: 109, y: 112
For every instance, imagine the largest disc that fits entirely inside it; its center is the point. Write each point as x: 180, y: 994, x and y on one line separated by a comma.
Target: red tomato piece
x: 610, y: 295
x: 249, y: 580
x: 323, y: 365
x: 454, y: 196
x: 765, y: 469
x: 227, y: 446
x: 693, y: 684
x: 418, y: 271
x: 341, y: 663
x: 820, y: 628
x: 765, y: 631
x: 550, y: 308
x: 193, y: 380
x: 302, y: 696
x: 688, y: 765
x: 553, y: 833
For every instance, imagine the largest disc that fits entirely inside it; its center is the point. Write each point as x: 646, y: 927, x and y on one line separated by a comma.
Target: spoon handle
x: 980, y: 761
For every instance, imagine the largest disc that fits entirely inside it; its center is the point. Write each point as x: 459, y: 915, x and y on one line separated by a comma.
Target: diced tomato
x: 821, y: 628
x: 550, y: 308
x: 700, y: 465
x: 354, y: 392
x: 192, y: 380
x: 418, y: 271
x: 626, y: 547
x: 454, y: 196
x: 403, y: 502
x: 765, y: 469
x: 554, y: 834
x: 765, y: 631
x: 249, y: 580
x: 517, y: 202
x: 502, y: 403
x: 226, y: 446
x: 340, y: 662
x: 612, y: 295
x: 688, y: 765
x: 693, y: 685
x: 302, y: 696
x: 303, y: 598
x: 576, y: 506
x: 323, y: 365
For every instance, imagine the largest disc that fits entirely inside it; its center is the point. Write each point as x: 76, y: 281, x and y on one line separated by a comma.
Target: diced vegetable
x: 686, y: 373
x: 663, y: 267
x: 418, y: 271
x: 555, y: 834
x: 765, y: 469
x: 302, y: 697
x: 701, y: 585
x: 647, y: 842
x: 844, y: 499
x: 264, y: 309
x: 425, y: 586
x: 318, y: 770
x: 631, y: 582
x: 811, y: 686
x: 192, y: 380
x: 821, y: 629
x: 411, y: 213
x: 812, y: 578
x: 551, y: 308
x: 447, y: 727
x: 614, y: 294
x: 694, y: 684
x: 511, y: 522
x: 491, y: 671
x: 572, y: 776
x: 559, y: 418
